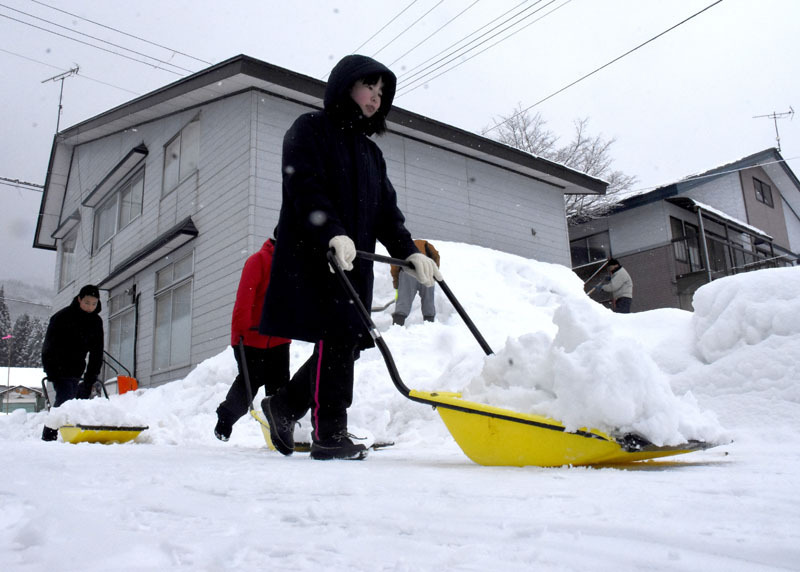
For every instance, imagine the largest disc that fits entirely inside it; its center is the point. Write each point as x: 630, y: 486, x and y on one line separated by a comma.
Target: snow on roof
x: 718, y: 213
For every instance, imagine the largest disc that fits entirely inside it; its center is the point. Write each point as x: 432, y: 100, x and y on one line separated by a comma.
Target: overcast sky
x: 681, y: 104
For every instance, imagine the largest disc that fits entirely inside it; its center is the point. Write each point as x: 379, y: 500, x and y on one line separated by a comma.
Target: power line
x: 80, y: 75
x: 88, y: 44
x: 408, y: 28
x: 122, y: 32
x: 93, y: 38
x: 386, y: 25
x: 423, y: 64
x: 602, y: 67
x: 420, y: 81
x: 439, y: 29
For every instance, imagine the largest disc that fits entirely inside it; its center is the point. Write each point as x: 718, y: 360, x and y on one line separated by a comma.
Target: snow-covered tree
x: 5, y: 329
x: 590, y: 154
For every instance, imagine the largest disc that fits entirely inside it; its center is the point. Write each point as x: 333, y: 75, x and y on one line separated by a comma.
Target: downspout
x: 703, y: 243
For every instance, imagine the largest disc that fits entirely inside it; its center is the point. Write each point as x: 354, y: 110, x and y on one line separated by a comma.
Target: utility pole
x: 61, y: 77
x: 8, y: 371
x: 775, y: 116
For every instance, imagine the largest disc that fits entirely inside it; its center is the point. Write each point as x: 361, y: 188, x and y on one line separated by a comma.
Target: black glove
x: 86, y: 389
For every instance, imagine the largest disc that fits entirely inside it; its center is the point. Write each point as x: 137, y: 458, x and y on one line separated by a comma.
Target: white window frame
x: 171, y: 336
x: 121, y: 310
x: 181, y: 156
x: 66, y: 254
x: 121, y: 210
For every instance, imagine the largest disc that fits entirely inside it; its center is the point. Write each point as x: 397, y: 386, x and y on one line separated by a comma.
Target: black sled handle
x: 445, y: 288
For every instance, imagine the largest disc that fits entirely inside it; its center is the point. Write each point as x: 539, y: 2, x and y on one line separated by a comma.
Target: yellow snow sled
x: 495, y: 436
x: 94, y: 433
x: 98, y: 434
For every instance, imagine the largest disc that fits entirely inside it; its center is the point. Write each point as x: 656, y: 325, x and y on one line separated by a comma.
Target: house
x: 22, y: 397
x: 159, y: 201
x: 735, y: 218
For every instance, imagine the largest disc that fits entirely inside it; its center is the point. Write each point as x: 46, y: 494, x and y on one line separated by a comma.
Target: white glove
x: 345, y: 251
x: 425, y: 269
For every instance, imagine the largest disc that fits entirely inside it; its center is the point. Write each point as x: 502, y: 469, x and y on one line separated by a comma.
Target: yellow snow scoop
x: 98, y: 434
x: 93, y: 433
x: 495, y: 436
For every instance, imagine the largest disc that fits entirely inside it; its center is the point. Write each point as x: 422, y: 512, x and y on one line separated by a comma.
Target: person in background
x: 618, y: 283
x: 336, y: 197
x: 407, y: 287
x: 72, y: 333
x: 266, y: 357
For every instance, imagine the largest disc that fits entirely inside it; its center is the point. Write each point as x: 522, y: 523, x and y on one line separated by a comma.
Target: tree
x: 587, y: 153
x: 5, y: 329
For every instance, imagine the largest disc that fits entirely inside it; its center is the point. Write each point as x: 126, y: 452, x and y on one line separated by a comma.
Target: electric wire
x: 591, y: 73
x: 123, y: 32
x: 420, y: 81
x: 80, y: 75
x: 412, y: 71
x: 96, y: 38
x: 412, y: 24
x: 89, y: 44
x: 435, y: 32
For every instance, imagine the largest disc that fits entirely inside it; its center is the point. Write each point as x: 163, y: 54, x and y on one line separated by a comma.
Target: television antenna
x: 61, y: 77
x: 775, y: 116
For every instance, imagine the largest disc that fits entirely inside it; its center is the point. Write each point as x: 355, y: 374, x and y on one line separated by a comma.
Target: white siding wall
x: 639, y: 229
x: 234, y: 200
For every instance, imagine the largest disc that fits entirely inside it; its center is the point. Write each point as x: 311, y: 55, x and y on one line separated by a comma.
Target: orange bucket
x: 126, y: 384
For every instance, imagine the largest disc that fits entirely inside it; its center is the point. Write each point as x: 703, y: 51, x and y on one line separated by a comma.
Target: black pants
x: 67, y: 388
x: 623, y: 305
x: 267, y: 368
x: 324, y: 383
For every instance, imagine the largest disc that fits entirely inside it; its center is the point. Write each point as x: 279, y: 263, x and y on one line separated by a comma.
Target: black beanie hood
x: 344, y: 74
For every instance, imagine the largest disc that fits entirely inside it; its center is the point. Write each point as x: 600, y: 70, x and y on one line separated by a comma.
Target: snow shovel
x: 501, y: 437
x: 80, y: 433
x: 253, y: 413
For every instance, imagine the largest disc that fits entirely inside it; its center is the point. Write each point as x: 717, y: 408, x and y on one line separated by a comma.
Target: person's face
x: 88, y: 303
x: 367, y: 97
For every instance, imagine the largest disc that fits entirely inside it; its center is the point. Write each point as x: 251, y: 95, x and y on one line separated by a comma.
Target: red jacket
x: 250, y: 299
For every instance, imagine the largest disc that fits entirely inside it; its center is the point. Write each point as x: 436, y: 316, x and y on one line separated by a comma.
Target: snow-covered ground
x: 177, y: 498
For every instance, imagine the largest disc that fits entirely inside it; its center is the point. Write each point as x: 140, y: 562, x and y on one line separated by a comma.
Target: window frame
x: 113, y: 203
x: 165, y: 292
x: 585, y: 244
x: 122, y: 307
x: 763, y: 192
x: 191, y: 146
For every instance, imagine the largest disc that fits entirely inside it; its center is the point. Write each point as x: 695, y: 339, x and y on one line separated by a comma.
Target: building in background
x: 161, y: 200
x: 735, y: 218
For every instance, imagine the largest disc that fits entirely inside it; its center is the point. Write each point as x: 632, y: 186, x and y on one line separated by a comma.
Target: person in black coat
x: 72, y: 333
x: 336, y: 195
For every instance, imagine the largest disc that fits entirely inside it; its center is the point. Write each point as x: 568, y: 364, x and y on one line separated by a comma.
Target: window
x: 67, y: 259
x: 181, y: 155
x: 589, y: 249
x: 763, y: 192
x: 173, y: 314
x: 685, y: 243
x: 122, y: 329
x: 116, y: 212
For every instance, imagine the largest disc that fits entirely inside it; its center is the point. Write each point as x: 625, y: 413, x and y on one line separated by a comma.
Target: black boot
x: 49, y: 434
x: 339, y: 446
x: 223, y: 429
x: 281, y: 425
x: 398, y: 319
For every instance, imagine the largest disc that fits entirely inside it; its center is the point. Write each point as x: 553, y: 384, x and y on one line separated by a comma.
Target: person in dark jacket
x: 336, y: 195
x: 72, y: 333
x: 266, y: 357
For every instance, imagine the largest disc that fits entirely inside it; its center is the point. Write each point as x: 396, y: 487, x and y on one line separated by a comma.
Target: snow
x: 178, y: 499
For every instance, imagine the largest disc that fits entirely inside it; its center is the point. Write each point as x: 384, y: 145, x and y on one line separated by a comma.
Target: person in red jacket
x: 266, y: 357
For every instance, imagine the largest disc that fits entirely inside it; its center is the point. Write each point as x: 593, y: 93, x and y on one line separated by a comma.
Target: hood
x: 344, y: 75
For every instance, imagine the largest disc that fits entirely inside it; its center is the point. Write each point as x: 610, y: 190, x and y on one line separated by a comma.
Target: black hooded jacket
x: 71, y: 334
x: 334, y: 183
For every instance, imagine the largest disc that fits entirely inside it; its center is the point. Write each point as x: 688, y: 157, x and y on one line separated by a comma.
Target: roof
x: 711, y: 212
x: 766, y: 157
x: 243, y: 73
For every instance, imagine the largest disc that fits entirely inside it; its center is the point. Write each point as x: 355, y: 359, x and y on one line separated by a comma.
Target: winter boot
x: 223, y: 429
x: 398, y: 319
x: 49, y: 434
x: 339, y: 446
x: 281, y: 426
x: 428, y: 318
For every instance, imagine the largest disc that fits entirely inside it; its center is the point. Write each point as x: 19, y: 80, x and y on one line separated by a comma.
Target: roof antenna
x: 61, y: 77
x: 775, y: 116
